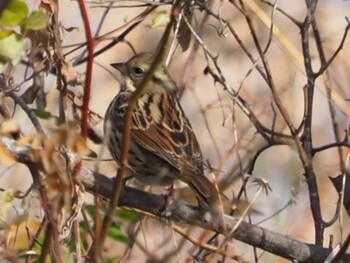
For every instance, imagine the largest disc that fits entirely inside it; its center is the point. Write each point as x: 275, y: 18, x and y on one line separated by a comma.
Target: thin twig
x: 30, y: 113
x: 119, y: 182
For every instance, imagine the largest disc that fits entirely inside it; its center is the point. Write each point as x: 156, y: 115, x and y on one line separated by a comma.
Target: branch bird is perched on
x: 163, y: 146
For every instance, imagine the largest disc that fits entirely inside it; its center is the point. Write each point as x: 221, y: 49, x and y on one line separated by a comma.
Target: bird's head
x: 134, y: 70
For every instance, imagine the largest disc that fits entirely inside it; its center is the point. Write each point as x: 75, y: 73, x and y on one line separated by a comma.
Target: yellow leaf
x: 6, y: 200
x: 17, y: 236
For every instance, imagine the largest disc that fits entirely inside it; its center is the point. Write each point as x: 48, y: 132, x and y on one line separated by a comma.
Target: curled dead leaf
x: 70, y: 75
x: 49, y: 6
x: 77, y: 101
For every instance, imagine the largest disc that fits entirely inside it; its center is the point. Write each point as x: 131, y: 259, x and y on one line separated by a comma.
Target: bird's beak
x: 121, y: 67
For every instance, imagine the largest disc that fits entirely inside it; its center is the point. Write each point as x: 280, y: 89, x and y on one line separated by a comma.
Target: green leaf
x: 14, y: 14
x: 5, y: 33
x: 11, y: 47
x: 42, y: 114
x: 36, y: 20
x: 91, y: 210
x: 127, y: 215
x: 116, y: 233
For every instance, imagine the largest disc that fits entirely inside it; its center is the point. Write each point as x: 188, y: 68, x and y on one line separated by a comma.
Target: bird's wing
x: 160, y: 126
x: 168, y: 134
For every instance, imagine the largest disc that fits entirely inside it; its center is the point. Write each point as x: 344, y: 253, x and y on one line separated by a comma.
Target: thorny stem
x: 89, y: 64
x: 134, y: 23
x: 304, y: 145
x: 307, y: 136
x: 308, y: 95
x: 332, y: 110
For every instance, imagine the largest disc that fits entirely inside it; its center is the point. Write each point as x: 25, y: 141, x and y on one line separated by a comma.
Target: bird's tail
x: 209, y: 199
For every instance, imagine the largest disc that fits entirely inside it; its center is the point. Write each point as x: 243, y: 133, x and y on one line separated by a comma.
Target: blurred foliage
x: 15, y: 20
x: 122, y: 216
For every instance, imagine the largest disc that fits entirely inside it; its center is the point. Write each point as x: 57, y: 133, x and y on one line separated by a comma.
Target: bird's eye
x: 138, y: 70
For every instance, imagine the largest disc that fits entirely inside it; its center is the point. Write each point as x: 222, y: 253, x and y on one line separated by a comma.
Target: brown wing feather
x: 168, y: 134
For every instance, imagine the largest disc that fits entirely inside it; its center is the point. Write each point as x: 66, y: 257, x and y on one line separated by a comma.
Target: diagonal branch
x: 179, y: 212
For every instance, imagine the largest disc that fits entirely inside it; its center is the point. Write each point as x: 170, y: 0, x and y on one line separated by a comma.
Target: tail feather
x: 205, y: 190
x: 209, y: 198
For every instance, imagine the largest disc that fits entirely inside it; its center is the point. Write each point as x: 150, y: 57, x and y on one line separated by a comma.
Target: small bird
x: 163, y: 146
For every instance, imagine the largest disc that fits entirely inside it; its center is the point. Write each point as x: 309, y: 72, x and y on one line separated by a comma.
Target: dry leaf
x: 94, y: 118
x: 49, y: 5
x: 18, y: 236
x: 5, y: 156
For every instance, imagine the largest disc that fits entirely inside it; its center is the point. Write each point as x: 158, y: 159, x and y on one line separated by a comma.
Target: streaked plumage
x: 163, y: 146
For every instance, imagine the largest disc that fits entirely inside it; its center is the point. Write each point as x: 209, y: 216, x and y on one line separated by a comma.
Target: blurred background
x: 227, y: 136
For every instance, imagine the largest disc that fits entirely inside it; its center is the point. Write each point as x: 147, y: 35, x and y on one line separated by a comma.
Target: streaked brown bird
x: 163, y: 146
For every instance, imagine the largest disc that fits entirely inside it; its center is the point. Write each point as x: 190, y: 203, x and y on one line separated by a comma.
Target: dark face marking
x: 148, y: 104
x: 176, y: 125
